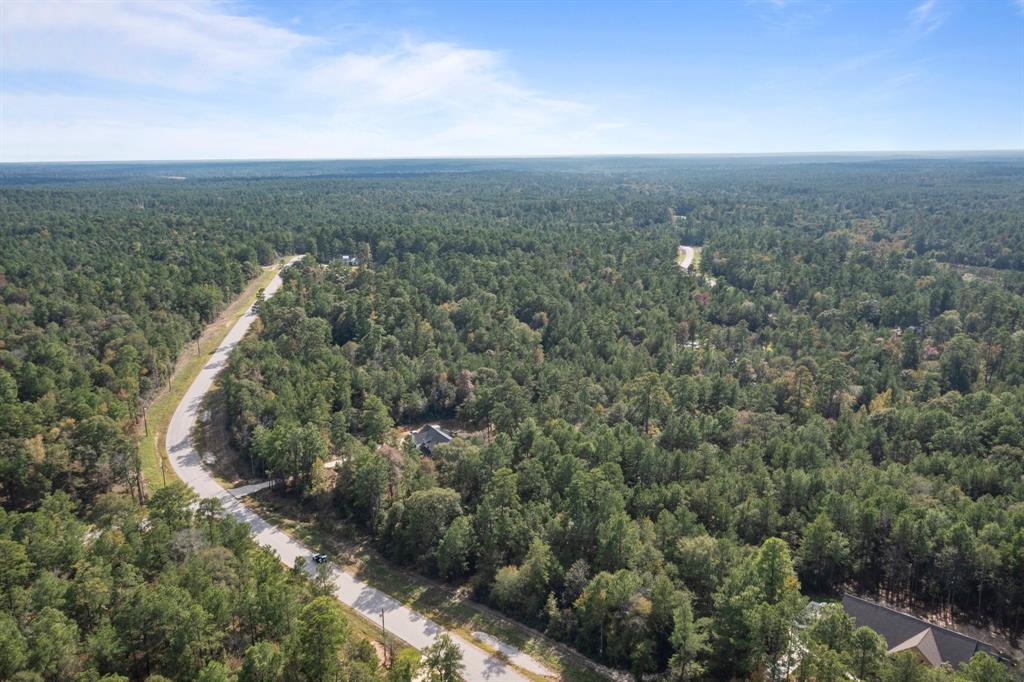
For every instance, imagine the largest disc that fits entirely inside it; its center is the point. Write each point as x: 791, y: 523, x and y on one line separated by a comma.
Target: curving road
x: 405, y: 623
x: 687, y: 254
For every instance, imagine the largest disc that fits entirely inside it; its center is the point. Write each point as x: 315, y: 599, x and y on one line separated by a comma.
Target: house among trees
x: 429, y: 437
x: 932, y: 644
x: 349, y: 260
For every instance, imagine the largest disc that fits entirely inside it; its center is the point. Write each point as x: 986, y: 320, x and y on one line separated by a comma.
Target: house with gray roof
x: 932, y: 644
x: 429, y: 437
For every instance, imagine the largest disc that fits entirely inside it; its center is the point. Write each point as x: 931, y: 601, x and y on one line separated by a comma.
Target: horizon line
x: 494, y: 157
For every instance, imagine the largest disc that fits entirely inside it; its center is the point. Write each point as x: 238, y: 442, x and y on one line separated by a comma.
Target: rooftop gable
x: 923, y: 644
x: 898, y: 627
x: 430, y: 436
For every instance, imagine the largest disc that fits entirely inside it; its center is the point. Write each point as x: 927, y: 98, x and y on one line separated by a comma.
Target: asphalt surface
x: 687, y: 253
x: 400, y: 620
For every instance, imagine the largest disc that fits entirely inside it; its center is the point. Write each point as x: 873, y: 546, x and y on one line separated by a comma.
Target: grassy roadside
x: 156, y: 468
x: 438, y: 602
x: 210, y: 437
x: 364, y: 629
x: 187, y: 367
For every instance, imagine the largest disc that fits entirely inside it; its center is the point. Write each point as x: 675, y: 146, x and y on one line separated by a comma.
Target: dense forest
x: 180, y: 593
x: 657, y: 468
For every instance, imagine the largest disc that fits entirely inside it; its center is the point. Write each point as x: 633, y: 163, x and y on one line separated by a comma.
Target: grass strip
x: 156, y: 468
x: 349, y: 549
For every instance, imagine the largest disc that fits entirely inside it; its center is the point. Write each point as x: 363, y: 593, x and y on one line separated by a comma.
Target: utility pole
x: 138, y: 482
x: 384, y: 637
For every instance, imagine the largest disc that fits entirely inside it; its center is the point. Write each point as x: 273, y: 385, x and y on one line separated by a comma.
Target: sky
x: 84, y: 81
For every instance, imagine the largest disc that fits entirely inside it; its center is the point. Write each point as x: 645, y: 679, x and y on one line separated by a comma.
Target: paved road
x: 415, y: 629
x: 687, y: 253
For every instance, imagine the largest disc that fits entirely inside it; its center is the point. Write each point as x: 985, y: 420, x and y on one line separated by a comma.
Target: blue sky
x: 214, y: 80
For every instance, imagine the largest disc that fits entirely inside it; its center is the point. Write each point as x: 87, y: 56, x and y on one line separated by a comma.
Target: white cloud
x: 198, y: 80
x: 190, y: 46
x: 444, y: 92
x: 411, y: 72
x: 927, y: 16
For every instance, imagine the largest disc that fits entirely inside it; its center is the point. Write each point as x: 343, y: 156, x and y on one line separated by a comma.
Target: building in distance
x: 429, y: 437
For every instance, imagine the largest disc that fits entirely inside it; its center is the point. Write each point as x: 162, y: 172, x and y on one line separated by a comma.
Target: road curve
x: 418, y: 631
x: 687, y: 254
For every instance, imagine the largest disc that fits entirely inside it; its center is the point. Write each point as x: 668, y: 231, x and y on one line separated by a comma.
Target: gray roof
x: 430, y: 436
x: 897, y: 627
x: 924, y: 645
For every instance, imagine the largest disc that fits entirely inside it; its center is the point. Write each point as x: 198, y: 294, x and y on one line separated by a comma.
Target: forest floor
x: 450, y: 607
x: 156, y: 469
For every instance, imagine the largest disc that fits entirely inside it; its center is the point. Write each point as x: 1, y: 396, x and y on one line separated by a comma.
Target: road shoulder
x: 152, y: 430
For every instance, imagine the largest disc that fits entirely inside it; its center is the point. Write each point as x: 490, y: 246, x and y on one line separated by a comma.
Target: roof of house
x: 904, y: 632
x: 430, y: 436
x: 923, y: 644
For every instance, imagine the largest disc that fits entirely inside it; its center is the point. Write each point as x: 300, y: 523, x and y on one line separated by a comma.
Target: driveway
x: 687, y: 253
x: 403, y: 622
